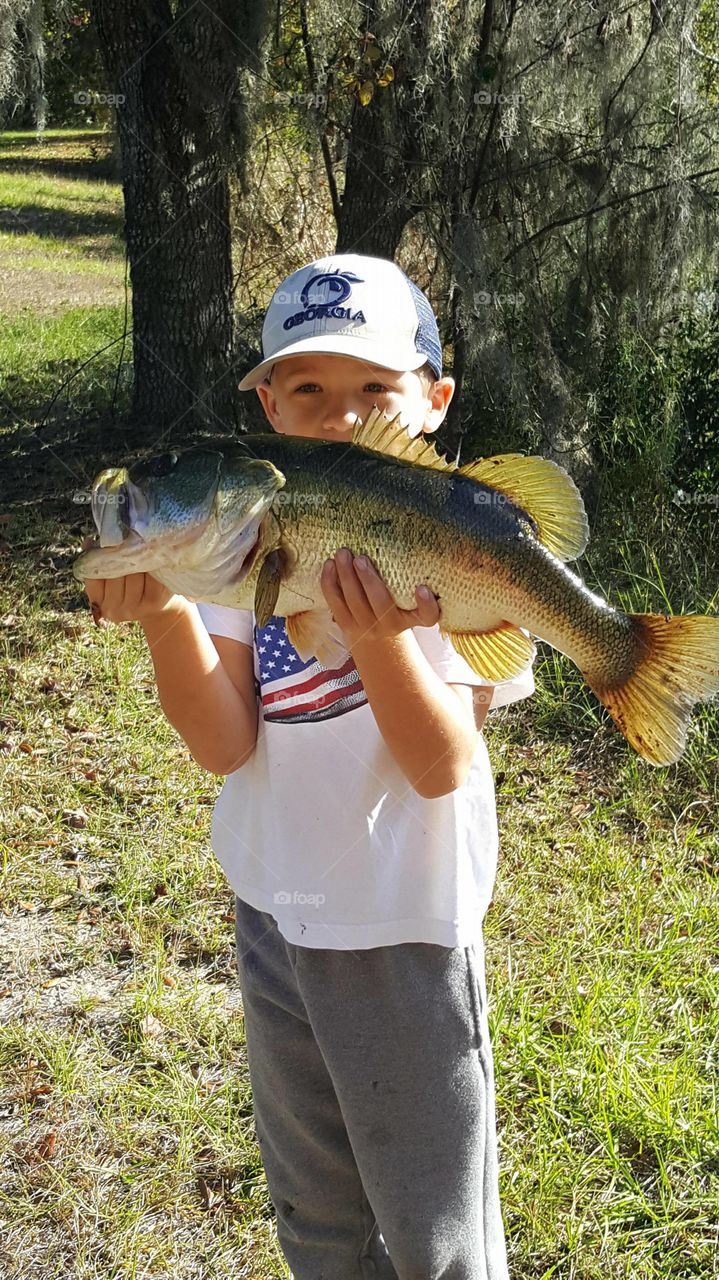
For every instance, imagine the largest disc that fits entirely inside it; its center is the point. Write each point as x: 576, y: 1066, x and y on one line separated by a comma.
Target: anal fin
x: 495, y: 655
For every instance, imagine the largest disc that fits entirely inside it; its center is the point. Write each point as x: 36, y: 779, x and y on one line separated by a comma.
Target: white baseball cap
x: 349, y: 305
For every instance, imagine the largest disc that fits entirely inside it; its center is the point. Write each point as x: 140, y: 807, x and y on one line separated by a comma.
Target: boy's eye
x: 307, y: 386
x: 375, y: 386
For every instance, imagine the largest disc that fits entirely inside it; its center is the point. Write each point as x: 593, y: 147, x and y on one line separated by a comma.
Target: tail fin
x: 679, y: 666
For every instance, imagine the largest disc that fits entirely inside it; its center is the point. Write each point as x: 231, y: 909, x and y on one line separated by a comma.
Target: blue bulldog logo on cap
x: 337, y: 283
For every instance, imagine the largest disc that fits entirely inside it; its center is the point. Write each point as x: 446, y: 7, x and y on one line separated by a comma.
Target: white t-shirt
x: 320, y: 827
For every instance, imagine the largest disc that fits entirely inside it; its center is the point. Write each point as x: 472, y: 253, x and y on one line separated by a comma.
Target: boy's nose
x: 339, y: 420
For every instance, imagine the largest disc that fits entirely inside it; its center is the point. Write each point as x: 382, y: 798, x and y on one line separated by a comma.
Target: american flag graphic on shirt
x: 294, y: 691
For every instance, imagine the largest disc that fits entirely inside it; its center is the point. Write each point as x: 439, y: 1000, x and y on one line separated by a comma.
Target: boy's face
x: 322, y: 395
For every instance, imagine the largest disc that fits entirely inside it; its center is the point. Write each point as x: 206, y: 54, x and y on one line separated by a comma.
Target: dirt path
x: 41, y: 289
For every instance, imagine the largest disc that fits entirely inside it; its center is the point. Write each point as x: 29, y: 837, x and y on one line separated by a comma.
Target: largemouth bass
x: 250, y: 523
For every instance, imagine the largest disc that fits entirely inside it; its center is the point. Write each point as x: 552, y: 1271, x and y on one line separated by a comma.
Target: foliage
x: 75, y: 79
x: 696, y: 464
x: 707, y: 40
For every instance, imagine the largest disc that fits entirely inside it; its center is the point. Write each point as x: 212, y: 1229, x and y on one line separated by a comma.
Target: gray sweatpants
x: 373, y: 1093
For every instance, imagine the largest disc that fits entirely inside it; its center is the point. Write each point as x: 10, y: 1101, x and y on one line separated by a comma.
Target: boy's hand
x: 133, y: 598
x: 362, y: 606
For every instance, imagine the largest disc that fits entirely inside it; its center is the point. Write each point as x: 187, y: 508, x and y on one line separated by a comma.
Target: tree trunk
x: 37, y: 102
x: 375, y: 205
x: 385, y: 167
x: 180, y: 117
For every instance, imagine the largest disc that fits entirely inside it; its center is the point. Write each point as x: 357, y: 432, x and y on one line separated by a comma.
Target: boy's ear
x: 269, y: 404
x: 439, y: 396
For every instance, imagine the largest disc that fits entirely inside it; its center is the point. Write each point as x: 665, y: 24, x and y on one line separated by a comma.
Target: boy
x: 357, y: 827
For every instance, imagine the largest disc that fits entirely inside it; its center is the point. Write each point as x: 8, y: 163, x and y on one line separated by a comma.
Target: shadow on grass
x: 85, y: 155
x: 69, y: 138
x: 100, y: 169
x: 35, y: 220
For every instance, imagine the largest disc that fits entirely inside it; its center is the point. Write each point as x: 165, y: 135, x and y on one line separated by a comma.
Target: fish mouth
x: 120, y: 509
x: 108, y: 505
x: 200, y: 559
x: 251, y: 555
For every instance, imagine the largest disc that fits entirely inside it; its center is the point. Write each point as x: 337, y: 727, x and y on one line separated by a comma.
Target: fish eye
x: 161, y: 465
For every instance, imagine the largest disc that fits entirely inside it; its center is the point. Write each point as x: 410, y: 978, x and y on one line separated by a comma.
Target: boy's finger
x: 427, y: 610
x: 374, y: 587
x: 352, y: 589
x: 332, y: 593
x: 134, y: 590
x: 95, y: 589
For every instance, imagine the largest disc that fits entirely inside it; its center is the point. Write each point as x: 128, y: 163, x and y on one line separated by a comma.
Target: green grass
x: 62, y: 272
x: 37, y: 251
x: 14, y: 138
x: 56, y: 193
x: 602, y: 944
x: 126, y: 1142
x: 38, y: 353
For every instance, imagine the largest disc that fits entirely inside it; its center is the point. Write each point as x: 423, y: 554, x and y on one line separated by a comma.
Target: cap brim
x: 338, y: 345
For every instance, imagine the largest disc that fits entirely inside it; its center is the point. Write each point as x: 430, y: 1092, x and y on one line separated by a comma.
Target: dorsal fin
x: 545, y: 491
x: 389, y: 437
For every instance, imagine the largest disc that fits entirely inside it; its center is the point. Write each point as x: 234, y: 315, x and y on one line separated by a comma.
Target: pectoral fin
x: 314, y: 634
x: 268, y: 588
x: 495, y: 655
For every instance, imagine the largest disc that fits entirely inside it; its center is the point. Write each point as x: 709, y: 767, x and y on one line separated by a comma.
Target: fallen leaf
x: 75, y: 818
x: 61, y: 900
x: 46, y: 1149
x: 212, y: 1199
x: 151, y: 1026
x: 560, y: 1028
x: 70, y: 628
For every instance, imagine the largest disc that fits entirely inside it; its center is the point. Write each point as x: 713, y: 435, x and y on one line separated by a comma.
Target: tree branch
x: 324, y: 144
x: 608, y: 204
